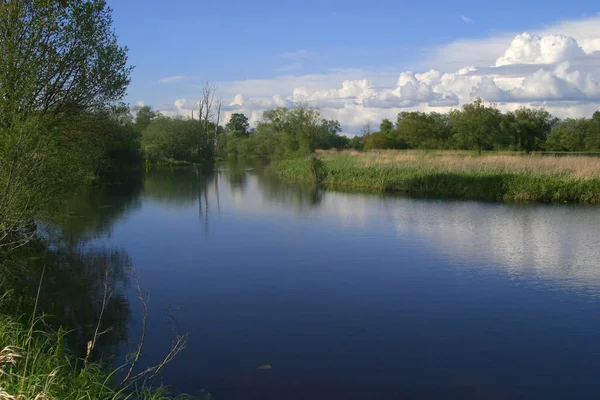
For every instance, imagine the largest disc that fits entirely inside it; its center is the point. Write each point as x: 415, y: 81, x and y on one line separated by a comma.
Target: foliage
x: 238, y: 125
x: 475, y: 126
x: 61, y: 72
x: 58, y: 58
x: 525, y: 129
x: 285, y: 133
x: 172, y: 138
x: 143, y: 116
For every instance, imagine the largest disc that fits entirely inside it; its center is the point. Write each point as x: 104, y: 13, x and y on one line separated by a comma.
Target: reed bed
x: 492, y: 176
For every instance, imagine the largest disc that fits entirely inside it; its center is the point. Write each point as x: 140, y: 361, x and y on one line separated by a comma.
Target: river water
x: 288, y: 292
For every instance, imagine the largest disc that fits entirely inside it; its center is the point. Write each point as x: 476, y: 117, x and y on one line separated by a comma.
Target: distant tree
x: 375, y: 140
x: 422, y: 130
x: 327, y: 136
x: 171, y: 138
x: 366, y: 129
x: 525, y: 129
x: 143, y: 116
x: 569, y: 135
x: 357, y: 142
x: 238, y: 125
x: 475, y: 125
x: 592, y: 140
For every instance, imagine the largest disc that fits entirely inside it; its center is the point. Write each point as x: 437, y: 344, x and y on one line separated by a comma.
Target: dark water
x: 356, y: 296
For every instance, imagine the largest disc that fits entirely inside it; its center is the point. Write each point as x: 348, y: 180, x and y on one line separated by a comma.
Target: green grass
x: 34, y: 365
x: 444, y: 177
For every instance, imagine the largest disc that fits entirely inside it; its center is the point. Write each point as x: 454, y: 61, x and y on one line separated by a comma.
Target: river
x: 291, y: 292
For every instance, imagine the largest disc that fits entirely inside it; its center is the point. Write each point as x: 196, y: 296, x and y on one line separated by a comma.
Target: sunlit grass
x: 492, y: 176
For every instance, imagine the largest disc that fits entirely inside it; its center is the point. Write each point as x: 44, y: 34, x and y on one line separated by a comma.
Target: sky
x: 360, y: 62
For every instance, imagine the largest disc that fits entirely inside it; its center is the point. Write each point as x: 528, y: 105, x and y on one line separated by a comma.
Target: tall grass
x: 35, y: 366
x: 495, y: 176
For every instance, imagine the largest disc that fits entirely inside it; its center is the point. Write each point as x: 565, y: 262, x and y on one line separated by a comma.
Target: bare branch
x: 144, y: 299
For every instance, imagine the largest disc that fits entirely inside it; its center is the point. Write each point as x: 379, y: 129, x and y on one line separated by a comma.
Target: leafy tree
x: 569, y: 135
x: 171, y: 138
x: 357, y: 143
x: 58, y: 58
x: 375, y: 140
x: 327, y: 136
x: 475, y: 126
x: 422, y: 130
x: 592, y: 140
x: 59, y: 63
x: 525, y: 129
x: 238, y: 125
x: 143, y: 116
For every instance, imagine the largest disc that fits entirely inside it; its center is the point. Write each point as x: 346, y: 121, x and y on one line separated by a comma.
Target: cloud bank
x: 557, y: 68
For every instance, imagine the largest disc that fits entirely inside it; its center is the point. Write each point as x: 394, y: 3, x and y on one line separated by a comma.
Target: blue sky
x: 246, y: 47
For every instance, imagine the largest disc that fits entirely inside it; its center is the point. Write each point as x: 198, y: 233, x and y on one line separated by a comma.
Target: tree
x: 143, y: 116
x: 59, y: 63
x: 475, y: 126
x: 327, y: 136
x: 526, y: 129
x: 58, y: 58
x: 171, y: 138
x: 592, y: 139
x: 422, y: 130
x: 569, y: 135
x: 238, y: 125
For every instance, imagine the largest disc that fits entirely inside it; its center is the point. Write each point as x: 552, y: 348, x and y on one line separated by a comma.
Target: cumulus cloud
x: 466, y: 19
x: 557, y: 68
x: 528, y: 48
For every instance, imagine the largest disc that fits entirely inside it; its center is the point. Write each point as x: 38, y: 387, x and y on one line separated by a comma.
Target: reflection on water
x: 550, y: 242
x: 344, y: 295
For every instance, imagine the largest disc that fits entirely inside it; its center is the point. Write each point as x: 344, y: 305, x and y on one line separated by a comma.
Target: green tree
x: 143, y: 116
x: 376, y: 140
x: 59, y: 63
x: 592, y: 139
x: 569, y: 135
x: 327, y: 136
x: 171, y: 139
x: 525, y: 129
x: 475, y: 125
x: 238, y: 125
x: 357, y: 143
x: 422, y: 130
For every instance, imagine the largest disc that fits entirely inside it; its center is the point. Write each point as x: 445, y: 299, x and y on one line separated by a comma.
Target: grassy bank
x: 498, y: 177
x: 35, y: 364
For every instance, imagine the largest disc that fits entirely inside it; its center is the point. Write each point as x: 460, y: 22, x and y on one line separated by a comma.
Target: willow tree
x: 59, y: 62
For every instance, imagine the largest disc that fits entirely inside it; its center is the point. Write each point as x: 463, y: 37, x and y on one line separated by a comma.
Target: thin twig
x: 106, y: 297
x: 30, y: 334
x: 144, y: 299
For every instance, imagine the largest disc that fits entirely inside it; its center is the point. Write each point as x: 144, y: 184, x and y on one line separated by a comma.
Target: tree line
x: 285, y: 132
x: 479, y: 127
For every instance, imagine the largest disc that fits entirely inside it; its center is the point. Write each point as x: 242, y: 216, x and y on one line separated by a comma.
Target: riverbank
x: 495, y: 177
x: 35, y: 365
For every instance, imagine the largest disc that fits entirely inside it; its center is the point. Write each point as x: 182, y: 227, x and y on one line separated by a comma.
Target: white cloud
x: 466, y: 19
x: 171, y: 79
x: 295, y: 55
x: 528, y: 48
x: 557, y: 68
